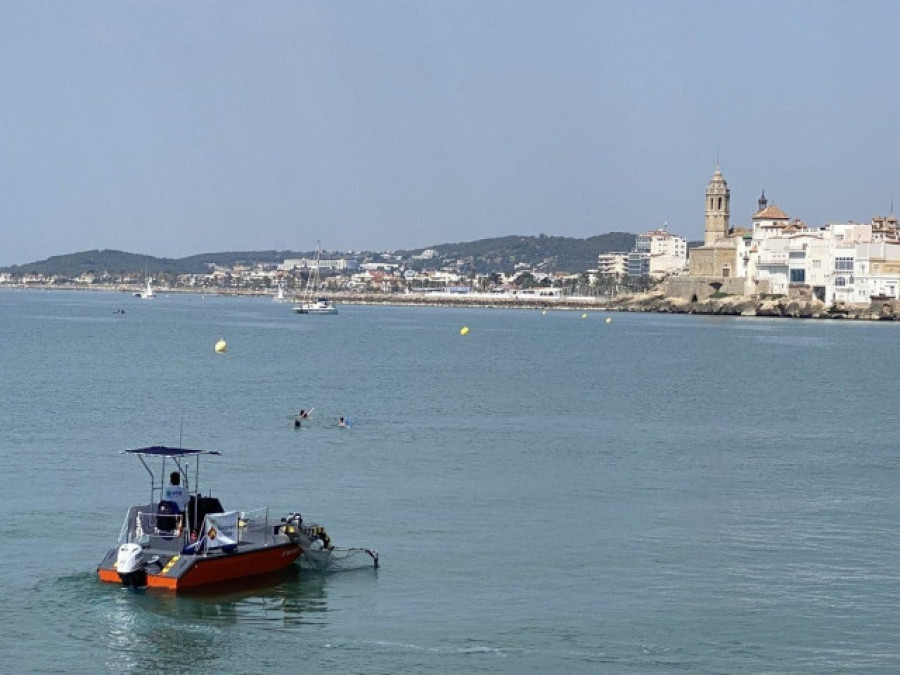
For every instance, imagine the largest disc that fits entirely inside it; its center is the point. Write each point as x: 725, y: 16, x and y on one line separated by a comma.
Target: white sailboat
x: 312, y: 303
x: 148, y: 292
x: 279, y: 294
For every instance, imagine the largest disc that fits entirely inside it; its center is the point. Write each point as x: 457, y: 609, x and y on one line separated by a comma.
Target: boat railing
x: 143, y: 523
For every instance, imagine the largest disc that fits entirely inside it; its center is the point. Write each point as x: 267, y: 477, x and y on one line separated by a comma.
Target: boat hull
x: 300, y: 310
x: 321, y: 307
x: 187, y: 571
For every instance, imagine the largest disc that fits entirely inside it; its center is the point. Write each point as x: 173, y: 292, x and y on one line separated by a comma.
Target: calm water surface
x: 548, y: 493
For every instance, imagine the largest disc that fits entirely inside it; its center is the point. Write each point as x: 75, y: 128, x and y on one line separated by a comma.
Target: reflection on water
x: 159, y: 630
x: 291, y: 598
x: 139, y: 640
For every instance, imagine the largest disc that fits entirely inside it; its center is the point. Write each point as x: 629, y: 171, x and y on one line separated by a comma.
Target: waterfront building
x: 638, y: 264
x: 656, y: 253
x: 866, y: 261
x: 334, y: 264
x: 666, y: 253
x: 383, y: 266
x: 718, y: 257
x: 612, y: 264
x: 840, y: 262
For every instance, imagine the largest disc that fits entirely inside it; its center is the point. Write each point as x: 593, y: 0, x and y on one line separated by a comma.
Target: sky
x: 177, y: 127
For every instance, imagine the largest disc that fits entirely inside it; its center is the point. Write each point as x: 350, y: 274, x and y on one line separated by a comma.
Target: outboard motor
x: 130, y: 566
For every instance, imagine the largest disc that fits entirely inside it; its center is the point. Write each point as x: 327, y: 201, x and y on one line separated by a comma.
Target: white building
x: 666, y: 252
x: 612, y: 264
x: 384, y: 266
x: 656, y: 253
x: 336, y: 264
x: 841, y: 262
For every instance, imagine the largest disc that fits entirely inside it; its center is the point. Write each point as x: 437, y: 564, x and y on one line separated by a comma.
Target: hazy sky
x: 175, y: 127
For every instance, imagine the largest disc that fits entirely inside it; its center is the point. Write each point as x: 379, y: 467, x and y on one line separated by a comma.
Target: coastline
x: 649, y: 302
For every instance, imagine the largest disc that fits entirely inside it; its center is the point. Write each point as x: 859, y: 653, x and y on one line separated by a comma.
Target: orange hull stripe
x: 226, y: 568
x: 110, y: 575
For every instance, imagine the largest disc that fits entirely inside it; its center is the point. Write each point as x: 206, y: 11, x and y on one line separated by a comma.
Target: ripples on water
x: 548, y: 493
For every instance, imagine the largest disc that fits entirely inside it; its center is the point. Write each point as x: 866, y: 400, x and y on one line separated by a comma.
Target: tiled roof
x: 771, y: 213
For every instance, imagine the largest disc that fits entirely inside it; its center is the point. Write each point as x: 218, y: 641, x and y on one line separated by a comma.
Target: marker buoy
x: 584, y: 316
x: 464, y: 330
x: 609, y: 319
x: 221, y: 346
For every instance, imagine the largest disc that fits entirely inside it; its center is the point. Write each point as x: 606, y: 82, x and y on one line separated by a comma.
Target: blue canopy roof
x: 166, y: 451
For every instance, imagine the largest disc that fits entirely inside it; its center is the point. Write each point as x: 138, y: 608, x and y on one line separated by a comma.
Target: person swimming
x: 342, y: 423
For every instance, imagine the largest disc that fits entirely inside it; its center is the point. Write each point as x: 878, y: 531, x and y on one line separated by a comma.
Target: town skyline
x: 741, y: 221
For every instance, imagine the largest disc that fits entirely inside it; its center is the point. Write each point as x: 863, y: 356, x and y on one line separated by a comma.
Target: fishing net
x: 338, y: 559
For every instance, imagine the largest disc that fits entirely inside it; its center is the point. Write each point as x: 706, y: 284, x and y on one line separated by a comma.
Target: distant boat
x: 279, y: 294
x: 310, y: 304
x: 148, y: 292
x: 319, y: 306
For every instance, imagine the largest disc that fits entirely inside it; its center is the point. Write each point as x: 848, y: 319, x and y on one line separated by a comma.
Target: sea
x: 549, y: 491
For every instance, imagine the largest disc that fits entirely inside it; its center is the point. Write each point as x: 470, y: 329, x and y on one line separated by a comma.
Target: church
x: 726, y: 261
x: 848, y: 262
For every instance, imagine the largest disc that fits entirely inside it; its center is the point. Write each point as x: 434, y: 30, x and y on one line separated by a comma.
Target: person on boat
x: 342, y: 423
x: 174, y: 492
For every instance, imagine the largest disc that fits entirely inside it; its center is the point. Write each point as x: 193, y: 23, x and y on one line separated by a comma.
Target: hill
x: 501, y: 254
x: 121, y: 262
x: 565, y: 254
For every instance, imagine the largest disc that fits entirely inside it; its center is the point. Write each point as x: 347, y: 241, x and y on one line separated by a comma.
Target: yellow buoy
x: 464, y: 330
x: 609, y: 319
x: 221, y: 346
x: 584, y: 316
x: 544, y: 312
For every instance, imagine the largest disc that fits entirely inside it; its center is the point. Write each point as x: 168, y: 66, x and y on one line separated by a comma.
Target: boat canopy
x: 166, y: 451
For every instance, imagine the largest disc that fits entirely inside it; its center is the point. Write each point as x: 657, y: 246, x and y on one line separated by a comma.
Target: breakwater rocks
x: 738, y: 305
x: 652, y: 301
x: 494, y: 300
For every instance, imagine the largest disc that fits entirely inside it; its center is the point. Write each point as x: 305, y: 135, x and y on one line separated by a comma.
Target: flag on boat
x: 221, y: 529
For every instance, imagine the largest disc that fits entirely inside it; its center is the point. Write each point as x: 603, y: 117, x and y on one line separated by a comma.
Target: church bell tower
x: 718, y: 209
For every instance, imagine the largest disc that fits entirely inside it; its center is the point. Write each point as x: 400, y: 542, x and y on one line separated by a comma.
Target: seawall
x: 652, y: 301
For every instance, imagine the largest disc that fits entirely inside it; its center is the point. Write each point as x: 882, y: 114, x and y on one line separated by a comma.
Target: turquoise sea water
x: 549, y: 493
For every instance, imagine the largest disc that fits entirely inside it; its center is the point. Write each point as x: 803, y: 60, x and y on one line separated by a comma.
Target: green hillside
x: 120, y: 262
x: 501, y: 254
x: 565, y: 254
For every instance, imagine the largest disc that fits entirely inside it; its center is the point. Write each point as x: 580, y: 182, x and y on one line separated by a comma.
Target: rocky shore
x: 737, y: 305
x: 653, y: 301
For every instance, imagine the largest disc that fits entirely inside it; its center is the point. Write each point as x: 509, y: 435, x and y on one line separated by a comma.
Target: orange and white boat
x: 183, y: 540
